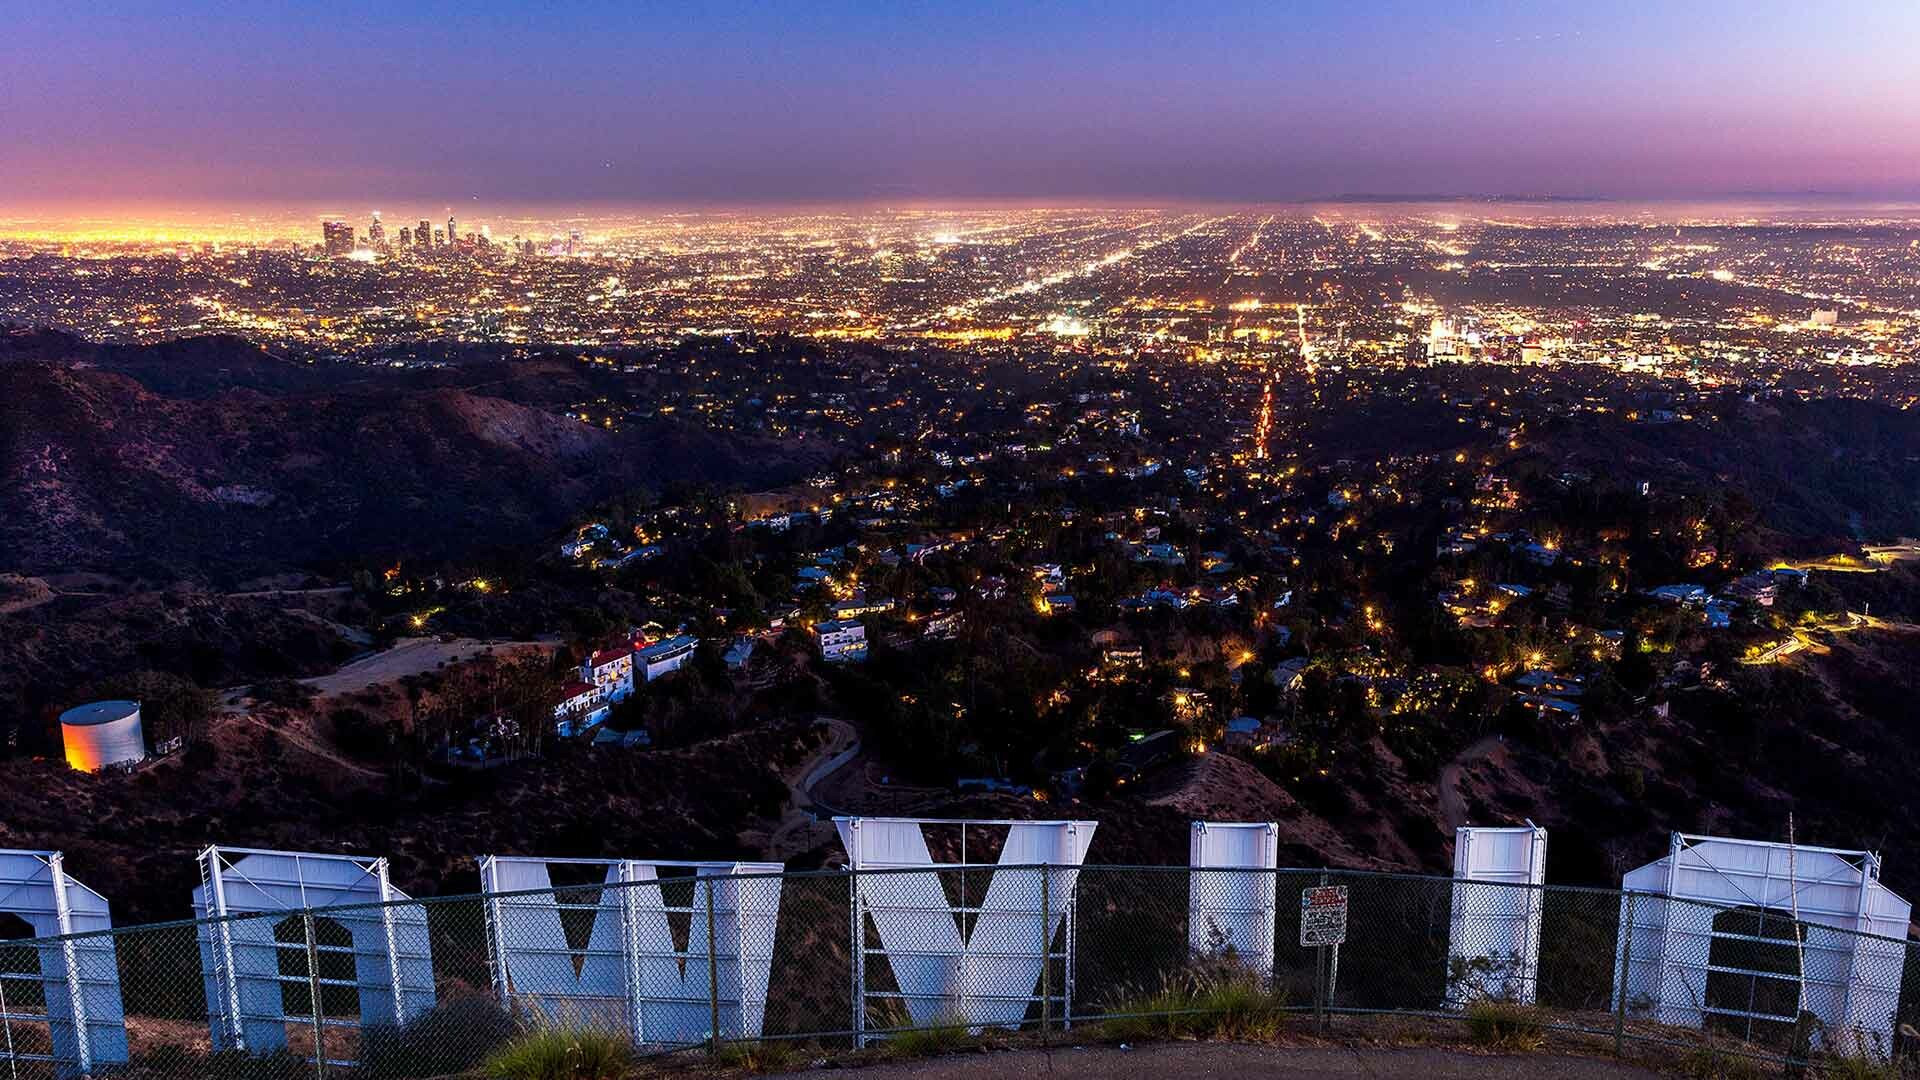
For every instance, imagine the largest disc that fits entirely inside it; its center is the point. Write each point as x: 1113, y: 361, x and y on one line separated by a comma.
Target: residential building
x: 841, y: 641
x: 739, y: 654
x: 666, y: 656
x: 579, y: 708
x: 860, y: 604
x: 611, y: 672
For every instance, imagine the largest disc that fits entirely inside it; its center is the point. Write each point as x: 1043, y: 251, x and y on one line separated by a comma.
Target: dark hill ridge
x: 99, y: 471
x: 1821, y: 473
x: 185, y: 367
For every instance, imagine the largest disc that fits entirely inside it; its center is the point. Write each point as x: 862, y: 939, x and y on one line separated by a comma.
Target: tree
x: 170, y: 706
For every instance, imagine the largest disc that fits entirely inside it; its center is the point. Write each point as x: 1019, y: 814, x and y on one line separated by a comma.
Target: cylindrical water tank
x: 102, y: 734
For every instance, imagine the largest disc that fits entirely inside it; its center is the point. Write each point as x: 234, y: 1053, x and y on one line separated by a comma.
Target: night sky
x: 114, y: 104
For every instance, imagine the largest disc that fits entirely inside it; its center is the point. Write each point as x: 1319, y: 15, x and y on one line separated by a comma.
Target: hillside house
x: 580, y: 707
x: 666, y: 656
x: 611, y: 672
x: 841, y: 641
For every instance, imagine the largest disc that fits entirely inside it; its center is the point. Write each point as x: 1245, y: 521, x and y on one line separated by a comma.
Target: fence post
x: 1069, y: 949
x: 632, y: 972
x: 220, y: 922
x: 857, y: 945
x: 313, y: 993
x: 1046, y: 951
x: 713, y: 977
x: 1620, y: 983
x: 492, y: 918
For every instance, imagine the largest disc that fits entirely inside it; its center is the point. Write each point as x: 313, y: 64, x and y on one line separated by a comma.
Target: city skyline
x: 116, y: 107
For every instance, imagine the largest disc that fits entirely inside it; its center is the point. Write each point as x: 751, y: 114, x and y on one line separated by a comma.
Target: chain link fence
x: 696, y: 961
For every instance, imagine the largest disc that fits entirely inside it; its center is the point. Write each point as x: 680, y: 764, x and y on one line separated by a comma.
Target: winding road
x: 801, y: 827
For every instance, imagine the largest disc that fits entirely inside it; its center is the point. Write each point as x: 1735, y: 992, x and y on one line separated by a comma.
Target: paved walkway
x: 1239, y: 1061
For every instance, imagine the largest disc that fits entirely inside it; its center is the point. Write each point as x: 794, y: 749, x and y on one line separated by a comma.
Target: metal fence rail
x: 694, y: 960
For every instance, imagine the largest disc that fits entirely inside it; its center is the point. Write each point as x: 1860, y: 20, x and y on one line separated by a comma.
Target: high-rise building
x: 439, y: 238
x: 453, y: 234
x: 406, y: 237
x: 336, y: 237
x: 376, y: 232
x: 423, y: 236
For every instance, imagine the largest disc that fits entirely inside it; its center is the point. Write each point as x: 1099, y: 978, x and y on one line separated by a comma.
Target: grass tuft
x: 1858, y: 1067
x: 1506, y: 1025
x: 564, y: 1051
x: 1206, y: 1000
x: 944, y: 1037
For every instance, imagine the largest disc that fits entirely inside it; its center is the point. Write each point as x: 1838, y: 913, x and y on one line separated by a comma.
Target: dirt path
x: 1452, y: 806
x: 307, y: 744
x: 800, y: 828
x: 1239, y: 1061
x: 327, y: 590
x: 841, y: 746
x: 410, y: 656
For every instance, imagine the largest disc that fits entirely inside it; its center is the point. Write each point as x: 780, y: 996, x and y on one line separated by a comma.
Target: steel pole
x: 1046, y: 950
x: 318, y: 1010
x: 713, y: 977
x: 1620, y: 983
x: 70, y: 958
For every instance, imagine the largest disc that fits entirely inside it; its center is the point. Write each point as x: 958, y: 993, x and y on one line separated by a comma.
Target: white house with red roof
x: 579, y: 707
x: 611, y: 672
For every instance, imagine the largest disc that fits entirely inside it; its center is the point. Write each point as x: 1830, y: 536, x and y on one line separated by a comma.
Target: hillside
x: 253, y: 784
x: 1827, y: 739
x: 1819, y: 473
x: 51, y: 650
x: 99, y: 471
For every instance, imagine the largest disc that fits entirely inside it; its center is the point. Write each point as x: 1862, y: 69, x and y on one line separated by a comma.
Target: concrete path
x: 1236, y: 1061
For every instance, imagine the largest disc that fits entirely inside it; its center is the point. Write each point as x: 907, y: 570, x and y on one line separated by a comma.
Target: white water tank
x: 102, y: 734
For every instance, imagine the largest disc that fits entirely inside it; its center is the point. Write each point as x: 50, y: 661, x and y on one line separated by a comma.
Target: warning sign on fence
x: 1323, y: 915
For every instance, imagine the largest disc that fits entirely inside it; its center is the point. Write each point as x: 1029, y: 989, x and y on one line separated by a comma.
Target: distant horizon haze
x: 299, y: 221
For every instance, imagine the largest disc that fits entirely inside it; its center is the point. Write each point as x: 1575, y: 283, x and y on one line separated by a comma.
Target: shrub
x: 1241, y: 1010
x: 563, y: 1051
x: 1506, y: 1025
x: 943, y: 1037
x: 1165, y: 1013
x: 289, y: 693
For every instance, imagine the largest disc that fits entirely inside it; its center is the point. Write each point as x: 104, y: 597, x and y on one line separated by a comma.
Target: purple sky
x: 171, y: 103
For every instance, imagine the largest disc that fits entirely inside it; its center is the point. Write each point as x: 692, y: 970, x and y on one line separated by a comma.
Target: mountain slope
x: 278, y: 467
